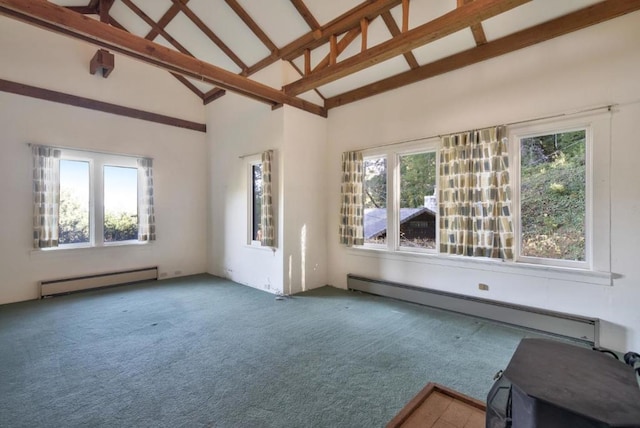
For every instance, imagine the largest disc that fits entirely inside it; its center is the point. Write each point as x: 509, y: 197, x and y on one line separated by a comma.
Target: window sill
x: 90, y: 249
x: 484, y: 264
x: 260, y: 247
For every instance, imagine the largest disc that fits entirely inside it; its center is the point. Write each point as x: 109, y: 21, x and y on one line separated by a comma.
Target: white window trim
x: 597, y: 216
x: 250, y: 161
x: 392, y: 154
x: 97, y: 161
x: 598, y: 226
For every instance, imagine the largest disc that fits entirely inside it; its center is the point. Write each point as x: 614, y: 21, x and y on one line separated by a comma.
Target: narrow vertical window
x: 120, y: 203
x: 256, y: 202
x: 553, y: 181
x: 375, y: 200
x: 74, y: 202
x: 418, y: 206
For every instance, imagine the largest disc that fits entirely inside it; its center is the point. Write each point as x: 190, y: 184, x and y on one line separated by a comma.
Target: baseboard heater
x: 572, y: 326
x: 89, y: 282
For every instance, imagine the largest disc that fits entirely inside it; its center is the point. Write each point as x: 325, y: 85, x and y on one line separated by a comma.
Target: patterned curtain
x: 46, y: 196
x: 146, y: 211
x: 474, y: 195
x: 352, y: 200
x: 266, y: 214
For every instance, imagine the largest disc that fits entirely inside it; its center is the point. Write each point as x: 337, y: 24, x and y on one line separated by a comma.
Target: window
x: 256, y: 202
x: 375, y: 200
x: 99, y: 199
x: 553, y: 196
x: 400, y: 205
x: 418, y: 204
x: 120, y: 203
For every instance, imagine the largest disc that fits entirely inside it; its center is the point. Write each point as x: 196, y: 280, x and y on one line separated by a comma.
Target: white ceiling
x: 283, y: 24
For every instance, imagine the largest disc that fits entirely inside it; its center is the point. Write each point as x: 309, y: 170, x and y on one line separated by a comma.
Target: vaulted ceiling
x: 342, y: 50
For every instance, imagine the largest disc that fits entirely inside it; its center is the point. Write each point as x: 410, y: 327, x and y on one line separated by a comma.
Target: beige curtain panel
x: 266, y: 215
x: 146, y: 210
x: 352, y: 200
x: 474, y: 194
x: 46, y: 196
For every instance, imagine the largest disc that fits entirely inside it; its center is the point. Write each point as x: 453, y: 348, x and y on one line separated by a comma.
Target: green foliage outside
x: 417, y: 179
x: 375, y: 183
x: 73, y: 222
x: 552, y: 212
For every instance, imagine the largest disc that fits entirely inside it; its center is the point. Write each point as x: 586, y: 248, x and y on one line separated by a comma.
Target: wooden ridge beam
x: 569, y: 23
x: 63, y: 21
x: 445, y: 25
x: 88, y: 103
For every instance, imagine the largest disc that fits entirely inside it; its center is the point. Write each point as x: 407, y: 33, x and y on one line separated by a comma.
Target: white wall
x: 43, y: 59
x: 595, y: 66
x: 236, y: 127
x: 304, y: 193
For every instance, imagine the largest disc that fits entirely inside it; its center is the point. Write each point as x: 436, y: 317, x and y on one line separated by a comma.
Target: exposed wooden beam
x: 306, y: 14
x: 569, y: 23
x: 293, y: 64
x: 405, y: 16
x: 449, y: 23
x: 364, y: 31
x: 476, y: 29
x: 213, y: 95
x: 193, y: 88
x: 249, y: 22
x: 342, y: 45
x: 85, y: 10
x: 307, y: 62
x: 58, y: 19
x: 165, y: 19
x: 88, y: 103
x: 333, y: 49
x: 103, y: 8
x: 395, y: 31
x: 210, y: 34
x: 311, y: 40
x: 151, y: 23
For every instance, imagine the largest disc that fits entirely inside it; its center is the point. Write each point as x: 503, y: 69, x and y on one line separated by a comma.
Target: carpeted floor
x: 202, y: 351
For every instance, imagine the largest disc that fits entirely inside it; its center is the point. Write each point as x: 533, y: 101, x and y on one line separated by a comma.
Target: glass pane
x: 73, y: 224
x: 553, y: 196
x: 120, y: 203
x: 256, y: 208
x: 375, y: 201
x: 418, y: 203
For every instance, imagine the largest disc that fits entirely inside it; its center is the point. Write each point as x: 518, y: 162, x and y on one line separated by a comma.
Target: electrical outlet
x: 163, y: 274
x: 483, y: 287
x: 178, y: 272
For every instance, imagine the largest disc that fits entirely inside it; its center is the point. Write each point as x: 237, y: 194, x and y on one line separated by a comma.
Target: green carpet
x: 203, y: 351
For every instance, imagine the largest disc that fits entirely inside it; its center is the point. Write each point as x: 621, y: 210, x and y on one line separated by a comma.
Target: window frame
x: 251, y: 161
x: 597, y: 220
x: 393, y: 153
x: 97, y: 161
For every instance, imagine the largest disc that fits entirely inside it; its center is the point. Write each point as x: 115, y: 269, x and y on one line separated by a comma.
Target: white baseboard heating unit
x: 573, y: 326
x: 88, y: 282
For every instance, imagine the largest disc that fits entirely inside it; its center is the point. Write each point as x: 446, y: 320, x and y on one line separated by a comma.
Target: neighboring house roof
x: 375, y: 219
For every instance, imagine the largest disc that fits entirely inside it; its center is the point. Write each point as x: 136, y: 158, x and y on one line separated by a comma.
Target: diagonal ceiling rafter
x: 447, y: 24
x: 588, y: 16
x: 52, y: 17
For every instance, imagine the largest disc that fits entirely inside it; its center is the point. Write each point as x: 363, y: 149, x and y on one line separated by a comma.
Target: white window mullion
x: 98, y: 202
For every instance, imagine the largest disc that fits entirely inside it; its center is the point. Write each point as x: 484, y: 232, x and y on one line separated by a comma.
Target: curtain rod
x: 520, y: 122
x: 92, y: 151
x: 253, y: 154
